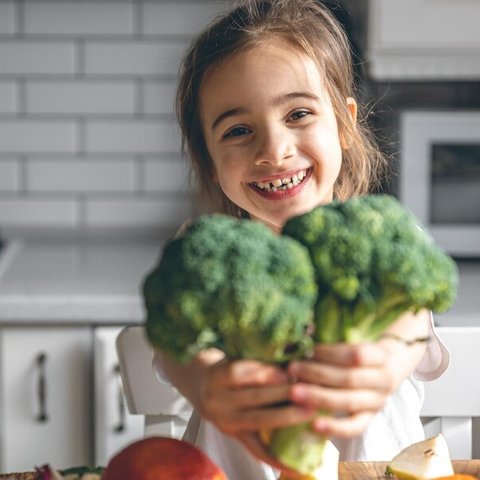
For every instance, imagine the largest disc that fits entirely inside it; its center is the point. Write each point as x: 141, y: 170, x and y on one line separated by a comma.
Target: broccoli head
x: 372, y: 263
x: 234, y: 285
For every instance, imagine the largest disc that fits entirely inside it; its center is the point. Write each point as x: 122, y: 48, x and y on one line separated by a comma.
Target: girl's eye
x: 298, y: 114
x: 237, y: 132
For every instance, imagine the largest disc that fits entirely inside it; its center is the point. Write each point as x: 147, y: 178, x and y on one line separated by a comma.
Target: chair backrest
x: 452, y: 402
x: 166, y: 411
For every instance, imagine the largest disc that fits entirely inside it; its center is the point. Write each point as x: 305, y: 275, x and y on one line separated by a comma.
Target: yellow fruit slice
x: 328, y: 470
x: 424, y: 460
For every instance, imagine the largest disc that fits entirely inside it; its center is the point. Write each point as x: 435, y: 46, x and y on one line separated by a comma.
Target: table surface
x: 347, y: 470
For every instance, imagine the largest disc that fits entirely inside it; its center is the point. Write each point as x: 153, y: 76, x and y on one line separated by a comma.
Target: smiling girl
x: 267, y: 111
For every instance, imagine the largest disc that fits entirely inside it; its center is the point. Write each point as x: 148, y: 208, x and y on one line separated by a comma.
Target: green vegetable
x: 234, y: 285
x: 372, y: 263
x: 349, y: 267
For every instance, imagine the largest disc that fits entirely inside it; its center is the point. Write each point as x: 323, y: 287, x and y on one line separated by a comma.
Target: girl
x: 269, y: 121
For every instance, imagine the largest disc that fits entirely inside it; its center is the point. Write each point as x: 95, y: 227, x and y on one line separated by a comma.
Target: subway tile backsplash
x: 88, y: 137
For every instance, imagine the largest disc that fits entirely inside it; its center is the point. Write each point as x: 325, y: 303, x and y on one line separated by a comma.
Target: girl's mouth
x: 278, y: 187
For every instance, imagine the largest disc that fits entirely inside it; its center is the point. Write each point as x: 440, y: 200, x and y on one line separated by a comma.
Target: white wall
x: 88, y: 139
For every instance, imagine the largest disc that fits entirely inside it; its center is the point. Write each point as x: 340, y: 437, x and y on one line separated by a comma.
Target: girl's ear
x: 345, y: 140
x: 352, y: 107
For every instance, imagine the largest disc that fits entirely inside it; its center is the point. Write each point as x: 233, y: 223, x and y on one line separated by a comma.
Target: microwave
x: 439, y: 179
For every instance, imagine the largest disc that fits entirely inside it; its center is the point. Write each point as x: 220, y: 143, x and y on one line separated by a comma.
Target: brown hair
x: 307, y: 26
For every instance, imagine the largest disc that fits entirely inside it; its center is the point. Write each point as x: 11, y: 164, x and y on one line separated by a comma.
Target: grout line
x: 137, y: 19
x: 19, y: 18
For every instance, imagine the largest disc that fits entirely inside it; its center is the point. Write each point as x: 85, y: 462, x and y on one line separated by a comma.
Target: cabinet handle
x: 121, y: 425
x: 42, y: 416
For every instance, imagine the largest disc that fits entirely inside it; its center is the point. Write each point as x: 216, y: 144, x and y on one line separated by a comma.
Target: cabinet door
x: 45, y: 397
x: 115, y: 427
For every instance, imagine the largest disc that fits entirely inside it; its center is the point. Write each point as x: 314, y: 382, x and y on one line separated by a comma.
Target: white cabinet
x: 424, y: 39
x: 115, y: 427
x: 61, y: 398
x: 45, y: 393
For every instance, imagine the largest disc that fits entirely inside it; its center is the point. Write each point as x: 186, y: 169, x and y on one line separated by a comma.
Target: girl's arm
x: 364, y: 375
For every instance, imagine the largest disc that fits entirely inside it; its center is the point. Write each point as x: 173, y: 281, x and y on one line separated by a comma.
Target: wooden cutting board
x: 376, y: 470
x: 347, y: 471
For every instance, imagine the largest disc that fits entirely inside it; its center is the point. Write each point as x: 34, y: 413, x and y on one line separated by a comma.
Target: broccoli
x: 372, y: 263
x: 348, y: 269
x: 231, y: 284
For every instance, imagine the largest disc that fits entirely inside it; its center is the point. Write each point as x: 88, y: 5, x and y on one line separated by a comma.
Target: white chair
x: 166, y: 412
x: 452, y: 402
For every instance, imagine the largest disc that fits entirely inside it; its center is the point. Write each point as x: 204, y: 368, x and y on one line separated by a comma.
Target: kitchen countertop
x: 84, y: 282
x: 99, y: 282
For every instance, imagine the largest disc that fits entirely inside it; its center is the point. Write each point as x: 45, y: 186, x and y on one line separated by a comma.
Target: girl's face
x: 271, y: 132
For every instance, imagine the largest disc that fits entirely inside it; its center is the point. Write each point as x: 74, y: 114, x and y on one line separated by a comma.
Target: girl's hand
x: 246, y: 396
x: 351, y: 381
x: 240, y: 397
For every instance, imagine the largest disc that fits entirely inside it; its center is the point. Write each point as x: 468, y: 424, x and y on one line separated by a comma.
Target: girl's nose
x: 274, y: 147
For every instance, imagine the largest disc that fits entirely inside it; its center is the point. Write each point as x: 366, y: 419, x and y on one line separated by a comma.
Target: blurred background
x: 92, y: 183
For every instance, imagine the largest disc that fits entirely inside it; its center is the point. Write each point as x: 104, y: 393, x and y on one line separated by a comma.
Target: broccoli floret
x: 234, y: 285
x: 372, y: 263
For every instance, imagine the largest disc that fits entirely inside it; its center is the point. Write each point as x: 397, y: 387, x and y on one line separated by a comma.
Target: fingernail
x: 320, y: 425
x: 299, y: 394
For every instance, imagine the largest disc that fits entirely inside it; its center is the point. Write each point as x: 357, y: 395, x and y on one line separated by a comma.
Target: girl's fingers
x: 350, y: 355
x: 268, y: 418
x: 243, y: 373
x: 336, y: 399
x: 344, y: 427
x: 341, y: 377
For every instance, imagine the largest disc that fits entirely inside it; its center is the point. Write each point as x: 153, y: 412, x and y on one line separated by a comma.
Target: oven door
x: 440, y: 176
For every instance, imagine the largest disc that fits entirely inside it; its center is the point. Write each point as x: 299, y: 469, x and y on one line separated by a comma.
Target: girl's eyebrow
x: 281, y: 99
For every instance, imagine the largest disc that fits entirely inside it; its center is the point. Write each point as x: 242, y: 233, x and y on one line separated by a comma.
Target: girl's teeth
x: 286, y: 183
x: 277, y: 182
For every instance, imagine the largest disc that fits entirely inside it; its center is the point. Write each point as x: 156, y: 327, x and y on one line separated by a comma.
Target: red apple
x: 161, y: 458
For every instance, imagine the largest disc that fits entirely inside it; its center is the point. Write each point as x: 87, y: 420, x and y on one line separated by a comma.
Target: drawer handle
x: 42, y: 416
x: 121, y: 425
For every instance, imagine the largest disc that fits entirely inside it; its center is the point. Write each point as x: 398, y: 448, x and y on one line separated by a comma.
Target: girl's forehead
x: 271, y: 57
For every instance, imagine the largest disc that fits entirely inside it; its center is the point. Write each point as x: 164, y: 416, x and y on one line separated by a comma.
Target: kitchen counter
x: 99, y: 282
x: 84, y: 282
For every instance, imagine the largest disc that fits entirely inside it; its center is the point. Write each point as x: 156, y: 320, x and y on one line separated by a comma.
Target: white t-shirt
x: 392, y: 429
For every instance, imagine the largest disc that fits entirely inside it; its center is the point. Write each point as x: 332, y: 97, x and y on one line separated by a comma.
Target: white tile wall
x: 8, y: 97
x: 78, y: 18
x: 25, y: 57
x: 7, y: 18
x: 88, y: 138
x: 80, y: 97
x: 8, y: 176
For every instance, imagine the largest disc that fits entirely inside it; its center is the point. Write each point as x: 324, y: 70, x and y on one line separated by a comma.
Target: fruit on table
x: 161, y: 458
x: 423, y: 460
x: 327, y: 470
